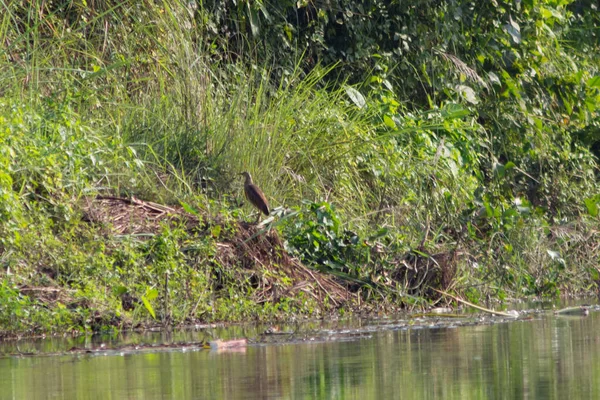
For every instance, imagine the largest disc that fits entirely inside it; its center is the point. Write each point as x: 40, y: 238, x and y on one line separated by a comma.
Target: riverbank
x: 213, y: 269
x: 453, y: 165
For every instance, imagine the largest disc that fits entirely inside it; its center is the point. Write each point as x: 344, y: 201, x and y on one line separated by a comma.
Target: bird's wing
x: 256, y: 197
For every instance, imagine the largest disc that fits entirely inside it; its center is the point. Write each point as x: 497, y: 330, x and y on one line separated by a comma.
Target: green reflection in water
x: 547, y: 358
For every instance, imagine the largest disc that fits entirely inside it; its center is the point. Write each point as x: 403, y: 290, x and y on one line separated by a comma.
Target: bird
x: 255, y: 195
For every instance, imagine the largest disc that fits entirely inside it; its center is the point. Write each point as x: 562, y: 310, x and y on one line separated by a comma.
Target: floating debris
x: 580, y: 311
x: 441, y: 310
x: 228, y: 344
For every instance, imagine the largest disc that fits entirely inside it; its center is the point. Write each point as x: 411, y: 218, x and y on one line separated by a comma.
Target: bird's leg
x: 257, y: 218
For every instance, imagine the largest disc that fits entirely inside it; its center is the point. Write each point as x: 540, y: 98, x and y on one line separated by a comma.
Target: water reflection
x: 544, y: 358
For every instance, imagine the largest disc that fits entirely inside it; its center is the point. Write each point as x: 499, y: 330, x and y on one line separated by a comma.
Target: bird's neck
x: 248, y: 180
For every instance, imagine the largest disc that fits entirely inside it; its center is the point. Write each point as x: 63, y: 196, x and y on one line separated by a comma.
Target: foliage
x: 455, y: 134
x: 317, y: 237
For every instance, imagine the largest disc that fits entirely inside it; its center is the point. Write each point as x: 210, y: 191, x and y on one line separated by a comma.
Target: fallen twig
x: 487, y: 310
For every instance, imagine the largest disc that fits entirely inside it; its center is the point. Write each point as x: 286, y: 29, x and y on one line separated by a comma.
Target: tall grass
x: 198, y: 120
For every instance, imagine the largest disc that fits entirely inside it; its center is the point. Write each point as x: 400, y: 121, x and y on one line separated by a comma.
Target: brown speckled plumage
x: 255, y: 195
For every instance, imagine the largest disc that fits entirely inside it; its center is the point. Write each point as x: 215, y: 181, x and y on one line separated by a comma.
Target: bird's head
x: 247, y: 175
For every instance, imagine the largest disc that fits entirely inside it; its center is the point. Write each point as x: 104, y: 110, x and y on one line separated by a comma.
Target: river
x: 541, y: 356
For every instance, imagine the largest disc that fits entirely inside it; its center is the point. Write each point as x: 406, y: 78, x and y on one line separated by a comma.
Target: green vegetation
x: 405, y: 146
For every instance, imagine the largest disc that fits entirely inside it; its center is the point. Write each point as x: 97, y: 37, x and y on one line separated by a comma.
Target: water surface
x: 546, y: 357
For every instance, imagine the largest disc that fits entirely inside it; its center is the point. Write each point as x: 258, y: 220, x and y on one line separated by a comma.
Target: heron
x: 255, y: 195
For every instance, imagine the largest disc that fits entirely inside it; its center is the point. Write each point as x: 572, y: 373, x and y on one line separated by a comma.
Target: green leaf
x: 389, y: 122
x: 379, y: 234
x: 215, y: 231
x: 591, y: 103
x: 550, y: 12
x: 592, y: 206
x: 545, y: 12
x: 523, y: 209
x: 453, y: 166
x: 453, y: 110
x: 494, y: 79
x: 151, y: 294
x: 264, y: 10
x: 499, y: 169
x: 288, y: 32
x: 594, y: 82
x: 467, y: 93
x: 119, y: 290
x: 356, y: 97
x: 188, y: 208
x: 514, y: 30
x: 148, y: 306
x: 489, y: 211
x: 555, y: 256
x: 253, y: 17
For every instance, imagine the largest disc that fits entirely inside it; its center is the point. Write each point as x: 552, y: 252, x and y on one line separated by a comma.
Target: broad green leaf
x: 555, y: 255
x: 591, y: 103
x: 494, y: 79
x: 467, y: 93
x: 594, y: 82
x: 388, y: 85
x: 514, y: 30
x: 453, y: 110
x: 545, y: 12
x: 389, y: 122
x: 356, y: 97
x: 453, y: 167
x: 119, y: 290
x: 550, y: 12
x: 592, y: 206
x: 151, y: 294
